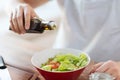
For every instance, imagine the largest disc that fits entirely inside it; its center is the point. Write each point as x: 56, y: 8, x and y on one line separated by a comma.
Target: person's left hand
x: 110, y: 67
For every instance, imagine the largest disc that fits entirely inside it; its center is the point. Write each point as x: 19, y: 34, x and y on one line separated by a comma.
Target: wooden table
x: 18, y: 74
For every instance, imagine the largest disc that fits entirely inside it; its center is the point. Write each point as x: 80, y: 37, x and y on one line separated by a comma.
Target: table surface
x: 18, y: 74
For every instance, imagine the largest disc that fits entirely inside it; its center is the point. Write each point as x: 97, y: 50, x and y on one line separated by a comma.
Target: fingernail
x: 27, y: 26
x: 23, y: 32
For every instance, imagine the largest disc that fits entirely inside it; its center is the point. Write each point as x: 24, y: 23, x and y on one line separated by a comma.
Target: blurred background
x: 17, y: 49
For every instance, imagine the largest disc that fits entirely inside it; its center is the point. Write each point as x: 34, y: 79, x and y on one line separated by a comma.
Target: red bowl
x: 43, y: 56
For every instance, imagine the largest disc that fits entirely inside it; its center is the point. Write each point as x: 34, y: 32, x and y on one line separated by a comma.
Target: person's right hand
x: 109, y: 67
x: 20, y: 18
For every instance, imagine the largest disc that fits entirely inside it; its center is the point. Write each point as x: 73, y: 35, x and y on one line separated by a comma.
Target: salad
x: 65, y: 62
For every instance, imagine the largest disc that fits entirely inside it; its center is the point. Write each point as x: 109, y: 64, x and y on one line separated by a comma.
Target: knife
x: 4, y: 73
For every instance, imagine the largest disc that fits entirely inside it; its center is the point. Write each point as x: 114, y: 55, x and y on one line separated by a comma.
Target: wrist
x: 34, y: 3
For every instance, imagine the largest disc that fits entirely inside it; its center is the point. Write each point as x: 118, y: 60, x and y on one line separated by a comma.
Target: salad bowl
x: 41, y: 61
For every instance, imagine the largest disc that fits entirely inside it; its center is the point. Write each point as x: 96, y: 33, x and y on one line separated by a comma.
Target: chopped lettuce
x: 68, y: 62
x: 47, y: 67
x: 82, y: 60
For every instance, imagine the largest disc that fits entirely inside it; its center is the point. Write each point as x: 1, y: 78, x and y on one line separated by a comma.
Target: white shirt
x: 92, y: 26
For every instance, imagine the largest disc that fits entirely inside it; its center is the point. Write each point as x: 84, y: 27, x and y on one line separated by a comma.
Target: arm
x: 34, y: 3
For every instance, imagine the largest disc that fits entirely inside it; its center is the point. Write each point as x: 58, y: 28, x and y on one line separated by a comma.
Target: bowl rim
x: 61, y: 71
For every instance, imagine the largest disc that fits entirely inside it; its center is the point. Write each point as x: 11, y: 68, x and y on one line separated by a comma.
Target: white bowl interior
x: 41, y: 57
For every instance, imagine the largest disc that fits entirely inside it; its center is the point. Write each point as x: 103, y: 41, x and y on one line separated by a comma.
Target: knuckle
x: 27, y: 13
x: 115, y: 69
x: 110, y: 62
x: 14, y: 19
x: 19, y: 17
x: 26, y: 5
x: 10, y: 25
x: 10, y: 20
x: 20, y: 6
x: 118, y: 77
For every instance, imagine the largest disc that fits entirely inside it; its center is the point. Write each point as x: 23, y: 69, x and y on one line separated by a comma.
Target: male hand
x: 110, y: 67
x: 20, y: 18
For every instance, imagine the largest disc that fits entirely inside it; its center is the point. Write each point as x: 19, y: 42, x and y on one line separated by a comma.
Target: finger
x: 102, y: 68
x: 27, y: 17
x: 111, y: 72
x: 14, y: 21
x: 11, y: 24
x: 105, y: 66
x: 20, y: 19
x: 114, y: 71
x: 117, y: 78
x: 37, y: 76
x: 96, y: 66
x: 33, y: 14
x: 41, y: 77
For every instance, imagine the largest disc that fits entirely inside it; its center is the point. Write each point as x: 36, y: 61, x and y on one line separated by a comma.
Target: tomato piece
x: 55, y: 65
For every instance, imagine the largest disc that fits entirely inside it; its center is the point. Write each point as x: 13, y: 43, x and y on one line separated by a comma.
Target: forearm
x: 34, y: 3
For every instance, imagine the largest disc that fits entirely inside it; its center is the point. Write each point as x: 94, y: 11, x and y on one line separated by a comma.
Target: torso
x: 92, y: 26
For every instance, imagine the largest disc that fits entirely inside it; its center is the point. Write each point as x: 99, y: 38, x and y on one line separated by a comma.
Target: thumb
x: 33, y: 14
x: 40, y: 77
x: 37, y: 76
